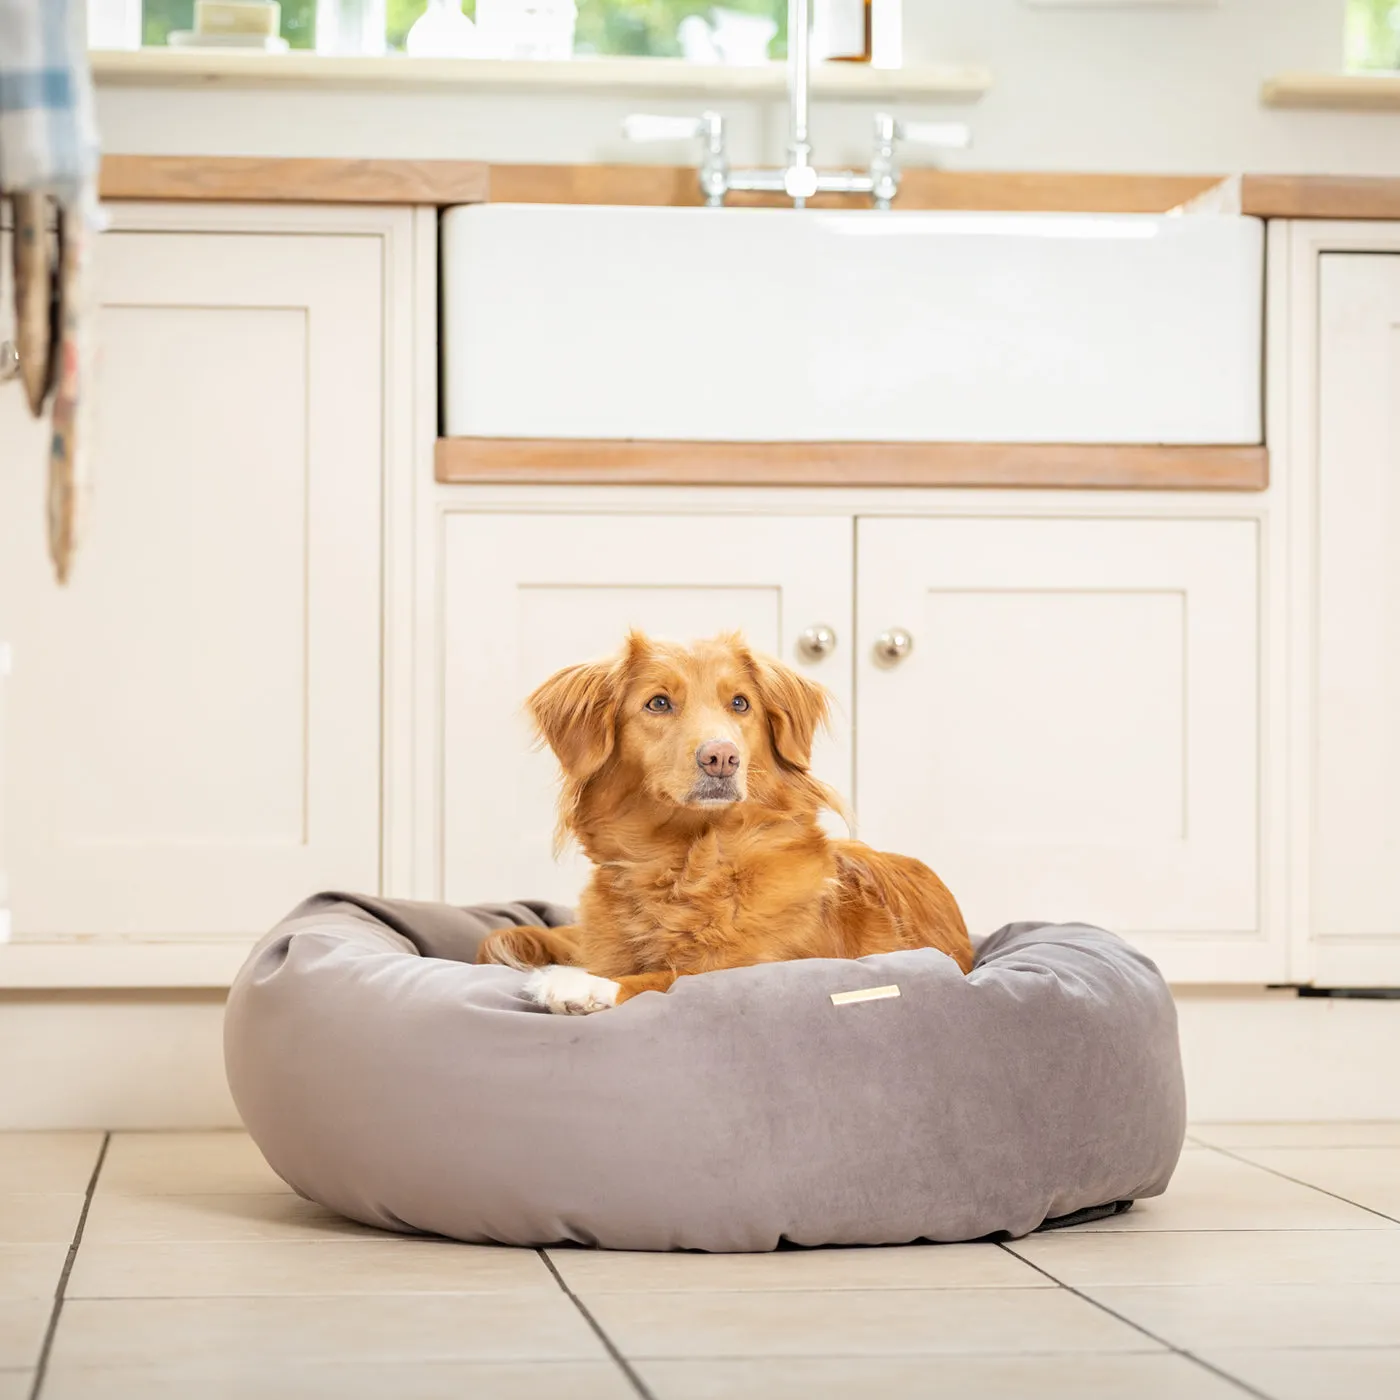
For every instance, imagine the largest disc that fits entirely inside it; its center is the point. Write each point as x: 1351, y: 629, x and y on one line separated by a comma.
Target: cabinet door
x: 1074, y: 734
x: 194, y: 721
x: 525, y: 595
x: 1355, y: 914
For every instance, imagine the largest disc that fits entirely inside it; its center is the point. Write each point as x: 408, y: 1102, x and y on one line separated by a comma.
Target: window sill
x: 615, y: 76
x: 1337, y: 92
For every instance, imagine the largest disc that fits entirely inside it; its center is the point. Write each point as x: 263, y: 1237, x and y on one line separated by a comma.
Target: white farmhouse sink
x: 748, y: 324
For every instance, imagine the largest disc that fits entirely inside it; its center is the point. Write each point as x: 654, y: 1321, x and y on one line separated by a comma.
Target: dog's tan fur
x: 683, y: 884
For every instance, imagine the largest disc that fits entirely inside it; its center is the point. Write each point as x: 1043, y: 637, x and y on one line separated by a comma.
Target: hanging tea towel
x: 48, y: 166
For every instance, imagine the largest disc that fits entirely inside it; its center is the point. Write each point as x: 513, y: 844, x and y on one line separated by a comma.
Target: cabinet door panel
x: 525, y: 596
x: 1355, y: 915
x: 195, y: 720
x: 1075, y: 732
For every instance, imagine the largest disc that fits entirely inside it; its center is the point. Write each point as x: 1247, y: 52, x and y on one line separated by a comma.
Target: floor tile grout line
x: 1137, y: 1326
x: 945, y: 1354
x: 609, y: 1345
x: 1298, y: 1181
x: 50, y: 1332
x: 1298, y: 1146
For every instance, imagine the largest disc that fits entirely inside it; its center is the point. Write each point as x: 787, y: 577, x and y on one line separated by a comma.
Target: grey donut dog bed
x: 387, y: 1077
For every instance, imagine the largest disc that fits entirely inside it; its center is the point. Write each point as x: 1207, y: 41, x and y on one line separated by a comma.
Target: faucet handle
x: 890, y: 133
x: 945, y: 135
x: 708, y: 126
x: 641, y: 126
x: 948, y: 136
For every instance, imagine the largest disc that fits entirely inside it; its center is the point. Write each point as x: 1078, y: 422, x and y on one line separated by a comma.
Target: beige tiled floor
x: 16, y: 1385
x: 30, y: 1270
x: 1212, y: 1191
x: 1159, y: 1376
x: 348, y: 1380
x: 22, y: 1323
x: 1370, y: 1176
x: 1271, y: 1268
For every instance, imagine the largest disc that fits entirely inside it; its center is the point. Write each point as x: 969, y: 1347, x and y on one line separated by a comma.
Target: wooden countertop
x: 294, y: 180
x: 444, y: 182
x: 967, y: 464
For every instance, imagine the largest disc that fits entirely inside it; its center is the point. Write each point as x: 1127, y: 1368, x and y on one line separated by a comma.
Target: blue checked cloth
x: 48, y: 137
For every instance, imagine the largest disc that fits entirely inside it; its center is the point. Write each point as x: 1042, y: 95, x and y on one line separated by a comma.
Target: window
x: 160, y: 17
x: 640, y: 27
x: 651, y: 27
x: 1373, y: 34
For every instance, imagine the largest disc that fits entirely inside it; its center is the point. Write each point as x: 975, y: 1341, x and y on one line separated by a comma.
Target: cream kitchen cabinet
x: 195, y: 723
x: 525, y: 595
x: 1349, y: 611
x: 1074, y: 730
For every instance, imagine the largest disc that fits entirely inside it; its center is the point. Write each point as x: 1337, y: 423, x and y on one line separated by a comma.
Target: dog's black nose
x: 718, y: 758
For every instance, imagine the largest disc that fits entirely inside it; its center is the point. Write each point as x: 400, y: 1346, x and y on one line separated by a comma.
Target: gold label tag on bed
x: 863, y: 994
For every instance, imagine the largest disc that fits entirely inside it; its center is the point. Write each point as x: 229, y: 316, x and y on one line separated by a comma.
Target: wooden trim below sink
x: 632, y: 462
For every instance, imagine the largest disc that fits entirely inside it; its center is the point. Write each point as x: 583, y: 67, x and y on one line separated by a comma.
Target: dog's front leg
x: 635, y: 985
x: 572, y: 991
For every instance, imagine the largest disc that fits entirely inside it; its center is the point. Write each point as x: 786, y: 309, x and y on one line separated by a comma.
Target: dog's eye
x: 739, y: 703
x: 658, y: 704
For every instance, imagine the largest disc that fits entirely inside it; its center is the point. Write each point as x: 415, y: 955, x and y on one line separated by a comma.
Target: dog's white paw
x: 570, y: 991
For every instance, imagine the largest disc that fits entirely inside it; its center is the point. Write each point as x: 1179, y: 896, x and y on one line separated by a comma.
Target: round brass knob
x: 817, y: 641
x: 893, y: 646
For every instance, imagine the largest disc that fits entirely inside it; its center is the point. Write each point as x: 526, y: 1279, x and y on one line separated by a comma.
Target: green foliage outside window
x: 641, y: 27
x: 648, y: 27
x: 399, y: 17
x: 159, y: 17
x: 1373, y: 34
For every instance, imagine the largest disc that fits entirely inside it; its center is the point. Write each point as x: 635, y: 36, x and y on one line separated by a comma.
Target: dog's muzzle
x: 713, y: 790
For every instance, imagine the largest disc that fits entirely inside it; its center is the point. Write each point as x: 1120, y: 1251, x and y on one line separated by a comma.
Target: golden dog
x: 686, y: 782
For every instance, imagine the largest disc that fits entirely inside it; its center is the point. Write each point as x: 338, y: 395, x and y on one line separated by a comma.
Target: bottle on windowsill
x: 841, y: 30
x: 441, y: 31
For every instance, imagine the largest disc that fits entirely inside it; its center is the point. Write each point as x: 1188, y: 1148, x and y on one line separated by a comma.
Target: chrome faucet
x: 799, y: 180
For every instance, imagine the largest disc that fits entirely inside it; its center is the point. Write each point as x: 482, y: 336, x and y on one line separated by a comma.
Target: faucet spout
x: 801, y: 178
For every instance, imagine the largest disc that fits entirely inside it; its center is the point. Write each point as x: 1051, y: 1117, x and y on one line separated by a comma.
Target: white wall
x: 1139, y: 88
x: 1150, y: 88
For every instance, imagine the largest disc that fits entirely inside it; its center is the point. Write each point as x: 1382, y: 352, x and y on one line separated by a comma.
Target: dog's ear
x: 575, y: 713
x: 794, y: 706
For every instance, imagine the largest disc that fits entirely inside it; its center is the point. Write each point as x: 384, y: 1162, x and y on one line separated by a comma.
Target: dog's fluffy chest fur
x: 722, y: 894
